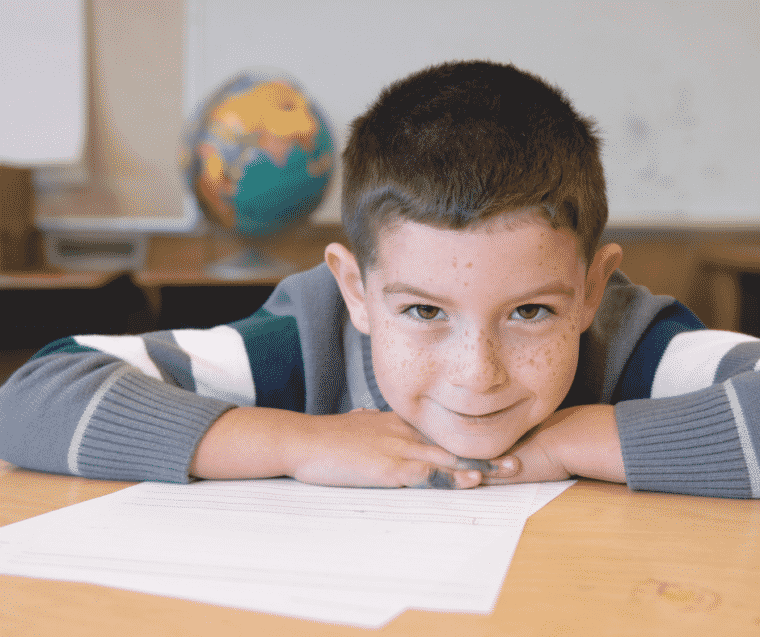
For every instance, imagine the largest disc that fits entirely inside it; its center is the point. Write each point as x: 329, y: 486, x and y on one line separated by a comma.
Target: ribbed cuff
x: 683, y: 444
x: 143, y: 429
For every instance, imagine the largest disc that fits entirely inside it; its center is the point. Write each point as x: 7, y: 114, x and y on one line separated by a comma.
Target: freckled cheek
x: 549, y: 366
x: 403, y: 362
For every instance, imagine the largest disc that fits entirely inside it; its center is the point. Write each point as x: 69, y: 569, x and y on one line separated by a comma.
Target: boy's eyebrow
x: 553, y: 287
x: 406, y: 288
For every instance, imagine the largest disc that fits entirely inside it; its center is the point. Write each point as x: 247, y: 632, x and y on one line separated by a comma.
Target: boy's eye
x: 424, y: 312
x: 530, y: 312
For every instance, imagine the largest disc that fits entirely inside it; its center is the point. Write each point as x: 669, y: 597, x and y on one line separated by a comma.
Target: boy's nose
x: 477, y: 365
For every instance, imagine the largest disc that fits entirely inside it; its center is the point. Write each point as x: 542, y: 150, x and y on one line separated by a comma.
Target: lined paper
x: 343, y: 555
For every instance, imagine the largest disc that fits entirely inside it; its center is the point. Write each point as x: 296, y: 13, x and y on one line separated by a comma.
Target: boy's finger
x: 530, y: 463
x: 512, y: 475
x: 432, y: 477
x: 474, y: 464
x: 504, y: 466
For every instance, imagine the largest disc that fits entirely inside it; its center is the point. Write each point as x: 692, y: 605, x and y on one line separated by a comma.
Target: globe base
x: 249, y: 265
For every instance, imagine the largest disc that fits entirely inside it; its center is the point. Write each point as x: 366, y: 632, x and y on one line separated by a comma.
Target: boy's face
x: 475, y: 333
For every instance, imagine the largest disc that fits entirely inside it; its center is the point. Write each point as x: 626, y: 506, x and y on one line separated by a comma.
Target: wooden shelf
x: 183, y: 261
x: 61, y: 280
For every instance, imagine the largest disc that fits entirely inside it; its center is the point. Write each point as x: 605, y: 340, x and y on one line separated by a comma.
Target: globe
x: 257, y: 156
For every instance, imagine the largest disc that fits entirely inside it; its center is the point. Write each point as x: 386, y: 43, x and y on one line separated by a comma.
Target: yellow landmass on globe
x: 273, y: 109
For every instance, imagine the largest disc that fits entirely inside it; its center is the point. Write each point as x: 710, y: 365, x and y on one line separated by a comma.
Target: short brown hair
x: 457, y: 143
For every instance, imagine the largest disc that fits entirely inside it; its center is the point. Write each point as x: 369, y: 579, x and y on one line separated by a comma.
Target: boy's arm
x: 92, y: 414
x: 137, y: 407
x: 698, y: 433
x: 577, y: 441
x: 73, y: 409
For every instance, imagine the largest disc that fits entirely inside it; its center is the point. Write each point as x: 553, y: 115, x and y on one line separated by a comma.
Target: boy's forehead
x: 394, y: 236
x: 511, y: 250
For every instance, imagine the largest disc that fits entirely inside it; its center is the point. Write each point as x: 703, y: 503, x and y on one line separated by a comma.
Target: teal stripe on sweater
x: 65, y: 345
x: 274, y: 351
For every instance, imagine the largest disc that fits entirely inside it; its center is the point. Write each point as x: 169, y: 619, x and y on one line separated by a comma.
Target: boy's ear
x: 345, y: 269
x: 606, y: 260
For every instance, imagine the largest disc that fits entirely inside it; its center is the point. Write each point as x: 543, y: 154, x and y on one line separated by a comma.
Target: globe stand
x: 257, y: 157
x: 253, y: 261
x: 250, y: 264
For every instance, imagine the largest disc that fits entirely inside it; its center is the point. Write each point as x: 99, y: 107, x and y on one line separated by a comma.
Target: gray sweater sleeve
x: 94, y: 415
x: 699, y: 432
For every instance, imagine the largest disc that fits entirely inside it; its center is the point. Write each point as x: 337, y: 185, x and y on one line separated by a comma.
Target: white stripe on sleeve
x: 130, y: 349
x: 691, y: 360
x: 219, y: 363
x: 84, y: 420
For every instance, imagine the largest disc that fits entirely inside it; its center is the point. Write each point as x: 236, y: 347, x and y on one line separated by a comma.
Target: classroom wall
x: 31, y: 35
x: 673, y: 85
x: 683, y: 144
x: 138, y: 96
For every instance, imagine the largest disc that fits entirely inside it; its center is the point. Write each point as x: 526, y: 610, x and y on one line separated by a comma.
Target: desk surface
x: 598, y: 560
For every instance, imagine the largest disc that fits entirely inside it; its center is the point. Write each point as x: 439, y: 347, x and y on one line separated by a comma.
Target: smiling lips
x: 488, y: 416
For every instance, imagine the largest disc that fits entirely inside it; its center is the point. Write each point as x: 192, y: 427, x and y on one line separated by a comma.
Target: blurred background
x: 100, y: 233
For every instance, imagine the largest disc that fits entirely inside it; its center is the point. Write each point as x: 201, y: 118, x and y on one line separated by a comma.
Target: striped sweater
x: 135, y: 407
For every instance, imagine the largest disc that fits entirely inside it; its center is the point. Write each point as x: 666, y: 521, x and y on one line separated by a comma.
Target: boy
x: 474, y: 333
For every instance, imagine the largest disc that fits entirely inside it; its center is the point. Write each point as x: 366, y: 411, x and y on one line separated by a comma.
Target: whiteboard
x: 674, y: 86
x: 42, y: 82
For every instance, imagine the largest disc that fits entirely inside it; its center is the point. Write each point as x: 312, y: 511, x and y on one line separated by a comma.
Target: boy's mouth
x: 474, y: 416
x: 485, y: 416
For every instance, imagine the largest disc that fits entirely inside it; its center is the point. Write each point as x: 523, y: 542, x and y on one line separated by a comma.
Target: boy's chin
x: 474, y: 450
x: 466, y: 448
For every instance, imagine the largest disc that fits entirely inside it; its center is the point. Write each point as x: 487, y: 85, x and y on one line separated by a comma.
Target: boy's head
x: 474, y: 199
x: 454, y: 144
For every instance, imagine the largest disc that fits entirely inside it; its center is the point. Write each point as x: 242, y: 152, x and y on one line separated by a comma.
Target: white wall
x: 42, y: 82
x: 674, y: 85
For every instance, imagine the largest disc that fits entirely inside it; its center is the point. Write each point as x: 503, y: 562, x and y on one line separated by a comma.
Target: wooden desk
x: 597, y: 561
x: 183, y: 261
x: 156, y: 295
x: 720, y: 266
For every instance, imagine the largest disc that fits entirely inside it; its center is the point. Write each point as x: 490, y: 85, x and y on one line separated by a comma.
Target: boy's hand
x: 578, y: 441
x: 363, y: 448
x: 370, y: 448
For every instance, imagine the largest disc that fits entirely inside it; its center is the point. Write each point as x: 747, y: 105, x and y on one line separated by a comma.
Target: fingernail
x: 510, y: 464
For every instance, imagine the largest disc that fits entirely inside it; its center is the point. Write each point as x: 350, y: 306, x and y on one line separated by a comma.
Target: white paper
x: 343, y: 555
